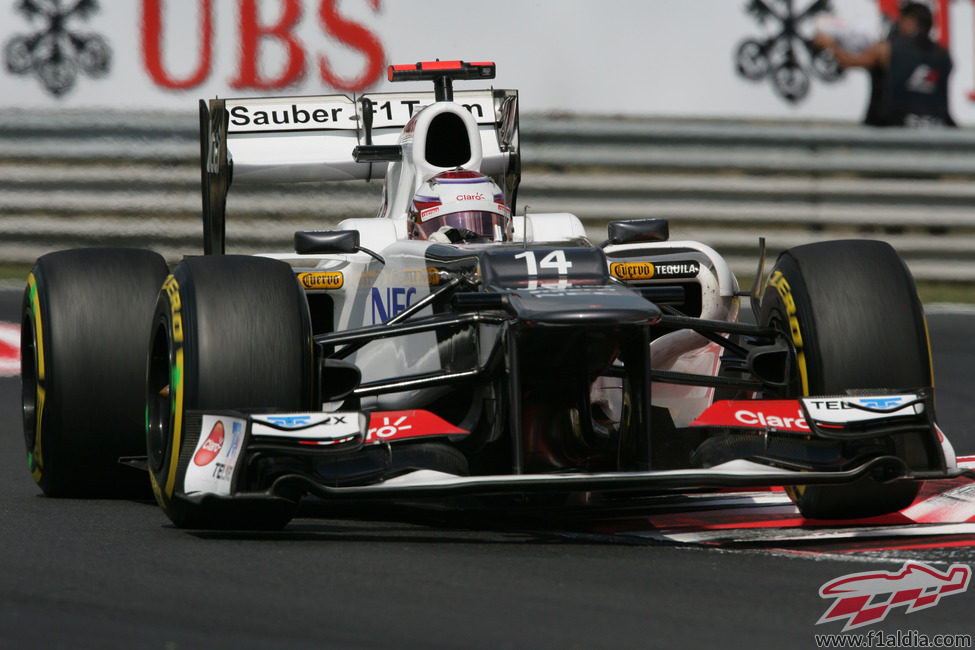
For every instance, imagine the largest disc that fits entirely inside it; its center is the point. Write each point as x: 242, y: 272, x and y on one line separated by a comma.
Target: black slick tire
x: 85, y: 321
x: 229, y: 332
x: 852, y: 311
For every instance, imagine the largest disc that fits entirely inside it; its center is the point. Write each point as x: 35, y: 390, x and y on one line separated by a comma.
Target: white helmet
x: 466, y: 202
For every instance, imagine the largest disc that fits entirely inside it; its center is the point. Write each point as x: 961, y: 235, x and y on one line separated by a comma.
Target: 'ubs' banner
x: 704, y: 58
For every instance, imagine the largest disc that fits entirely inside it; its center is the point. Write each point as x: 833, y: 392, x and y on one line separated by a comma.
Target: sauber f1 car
x: 450, y: 347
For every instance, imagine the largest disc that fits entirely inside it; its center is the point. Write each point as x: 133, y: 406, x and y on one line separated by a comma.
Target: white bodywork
x: 312, y: 138
x: 373, y: 293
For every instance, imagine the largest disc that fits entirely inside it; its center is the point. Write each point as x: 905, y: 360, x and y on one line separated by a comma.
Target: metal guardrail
x: 122, y: 178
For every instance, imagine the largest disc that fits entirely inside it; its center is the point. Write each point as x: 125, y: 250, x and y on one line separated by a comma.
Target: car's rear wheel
x: 852, y: 312
x: 84, y: 326
x: 229, y: 332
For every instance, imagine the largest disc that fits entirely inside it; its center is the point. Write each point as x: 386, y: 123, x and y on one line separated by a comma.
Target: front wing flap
x: 828, y: 432
x: 734, y: 474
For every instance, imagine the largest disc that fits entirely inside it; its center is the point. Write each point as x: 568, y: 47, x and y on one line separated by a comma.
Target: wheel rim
x: 28, y: 372
x: 159, y: 404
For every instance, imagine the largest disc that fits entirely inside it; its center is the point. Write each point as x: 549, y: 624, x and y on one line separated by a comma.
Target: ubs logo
x: 56, y: 54
x: 786, y: 57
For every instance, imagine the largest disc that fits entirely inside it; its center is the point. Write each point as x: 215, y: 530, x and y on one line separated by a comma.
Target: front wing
x: 228, y: 446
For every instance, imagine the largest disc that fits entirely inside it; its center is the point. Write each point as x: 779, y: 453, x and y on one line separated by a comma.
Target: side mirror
x: 637, y: 230
x: 326, y: 241
x: 308, y: 242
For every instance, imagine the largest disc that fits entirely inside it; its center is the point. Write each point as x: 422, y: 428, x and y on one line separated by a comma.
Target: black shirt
x: 916, y: 84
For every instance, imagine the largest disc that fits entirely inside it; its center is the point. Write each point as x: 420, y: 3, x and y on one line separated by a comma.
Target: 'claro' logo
x: 321, y: 280
x: 211, y: 446
x: 753, y: 418
x: 783, y: 415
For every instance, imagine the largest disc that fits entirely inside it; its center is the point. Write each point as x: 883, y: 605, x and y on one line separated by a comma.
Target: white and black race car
x: 448, y: 346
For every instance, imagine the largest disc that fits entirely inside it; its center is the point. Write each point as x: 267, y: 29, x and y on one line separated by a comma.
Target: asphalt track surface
x: 102, y: 573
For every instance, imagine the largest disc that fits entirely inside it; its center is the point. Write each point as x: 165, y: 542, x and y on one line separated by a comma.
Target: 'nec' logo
x: 395, y: 301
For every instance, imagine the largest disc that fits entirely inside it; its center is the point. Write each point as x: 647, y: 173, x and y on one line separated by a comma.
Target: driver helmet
x: 459, y: 205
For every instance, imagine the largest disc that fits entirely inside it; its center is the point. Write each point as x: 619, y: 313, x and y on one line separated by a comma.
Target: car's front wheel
x: 229, y: 332
x: 852, y: 312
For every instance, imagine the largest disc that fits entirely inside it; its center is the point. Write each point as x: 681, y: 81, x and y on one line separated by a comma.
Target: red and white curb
x: 9, y: 350
x: 943, y: 508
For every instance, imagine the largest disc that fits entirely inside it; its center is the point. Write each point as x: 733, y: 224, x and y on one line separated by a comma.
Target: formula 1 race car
x: 449, y: 347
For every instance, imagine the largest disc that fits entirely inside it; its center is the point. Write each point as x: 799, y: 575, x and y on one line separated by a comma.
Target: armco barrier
x: 118, y: 178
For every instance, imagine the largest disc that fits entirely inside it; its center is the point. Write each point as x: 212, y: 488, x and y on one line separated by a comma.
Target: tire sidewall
x: 36, y: 379
x: 164, y: 432
x: 785, y: 306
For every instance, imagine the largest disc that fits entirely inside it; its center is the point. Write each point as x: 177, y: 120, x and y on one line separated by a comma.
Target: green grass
x: 14, y: 271
x: 930, y: 292
x: 961, y: 292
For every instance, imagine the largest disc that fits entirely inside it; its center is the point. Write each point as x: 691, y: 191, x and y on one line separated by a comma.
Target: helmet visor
x: 486, y: 224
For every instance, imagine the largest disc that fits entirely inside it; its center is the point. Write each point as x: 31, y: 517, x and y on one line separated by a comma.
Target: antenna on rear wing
x: 442, y: 74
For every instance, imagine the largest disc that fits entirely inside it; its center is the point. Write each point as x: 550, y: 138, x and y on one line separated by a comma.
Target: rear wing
x: 312, y: 138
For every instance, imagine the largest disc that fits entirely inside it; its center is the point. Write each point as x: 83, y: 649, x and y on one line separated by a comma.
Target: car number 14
x: 554, y: 260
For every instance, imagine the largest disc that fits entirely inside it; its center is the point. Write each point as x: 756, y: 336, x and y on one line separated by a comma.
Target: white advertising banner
x: 611, y: 57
